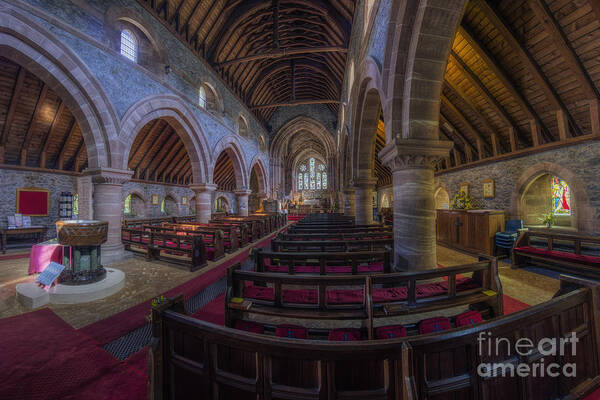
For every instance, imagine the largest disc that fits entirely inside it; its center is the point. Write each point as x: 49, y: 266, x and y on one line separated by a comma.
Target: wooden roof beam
x: 147, y: 157
x: 34, y: 118
x: 51, y: 131
x: 160, y: 155
x: 527, y: 59
x: 295, y: 103
x: 502, y: 76
x: 63, y: 150
x: 466, y: 143
x: 151, y: 132
x: 283, y: 53
x: 12, y: 107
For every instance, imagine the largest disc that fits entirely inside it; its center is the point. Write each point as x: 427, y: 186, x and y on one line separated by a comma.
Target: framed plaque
x: 154, y: 199
x: 489, y: 189
x: 464, y: 187
x: 183, y: 200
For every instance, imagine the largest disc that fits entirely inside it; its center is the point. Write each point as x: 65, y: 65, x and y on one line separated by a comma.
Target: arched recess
x: 174, y: 111
x: 33, y: 47
x: 298, y: 136
x: 258, y: 167
x: 222, y: 204
x: 584, y: 218
x: 415, y: 59
x: 442, y: 199
x: 168, y: 205
x: 229, y: 171
x: 134, y: 204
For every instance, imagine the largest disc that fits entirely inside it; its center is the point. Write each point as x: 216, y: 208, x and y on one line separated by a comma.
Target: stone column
x: 363, y: 190
x: 203, y: 192
x: 349, y: 201
x: 242, y: 200
x: 412, y: 163
x: 107, y: 199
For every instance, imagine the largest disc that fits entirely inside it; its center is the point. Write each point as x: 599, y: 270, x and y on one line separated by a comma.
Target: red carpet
x: 14, y: 256
x: 213, y: 312
x: 115, y: 326
x: 594, y: 396
x: 43, y: 357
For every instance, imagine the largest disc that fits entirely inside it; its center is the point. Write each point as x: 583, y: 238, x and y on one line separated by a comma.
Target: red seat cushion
x: 249, y: 326
x: 390, y: 332
x: 468, y: 318
x: 291, y: 331
x: 259, y: 293
x: 345, y: 296
x: 562, y: 255
x: 436, y: 324
x: 344, y: 335
x: 300, y: 296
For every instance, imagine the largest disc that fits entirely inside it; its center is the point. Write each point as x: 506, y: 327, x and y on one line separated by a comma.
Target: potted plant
x: 462, y: 201
x: 548, y: 220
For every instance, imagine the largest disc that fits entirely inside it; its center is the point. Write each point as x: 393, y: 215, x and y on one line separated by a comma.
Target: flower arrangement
x: 548, y: 219
x: 463, y: 201
x: 155, y: 302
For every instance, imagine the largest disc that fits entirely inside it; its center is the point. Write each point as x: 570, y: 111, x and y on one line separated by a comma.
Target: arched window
x: 561, y: 197
x: 202, y: 97
x: 312, y: 175
x: 300, y: 181
x: 127, y: 206
x: 129, y: 45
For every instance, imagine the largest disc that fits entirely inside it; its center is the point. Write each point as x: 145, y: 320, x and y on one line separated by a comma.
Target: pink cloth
x: 41, y: 255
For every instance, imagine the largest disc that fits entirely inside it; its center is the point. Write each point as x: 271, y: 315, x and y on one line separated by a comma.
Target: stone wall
x: 579, y: 165
x: 14, y: 179
x: 145, y: 192
x: 231, y: 198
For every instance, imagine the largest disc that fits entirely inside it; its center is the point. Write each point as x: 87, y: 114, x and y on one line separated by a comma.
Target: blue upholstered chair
x: 506, y: 240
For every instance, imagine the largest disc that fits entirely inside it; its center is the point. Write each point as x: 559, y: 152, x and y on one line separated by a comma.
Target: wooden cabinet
x: 472, y: 231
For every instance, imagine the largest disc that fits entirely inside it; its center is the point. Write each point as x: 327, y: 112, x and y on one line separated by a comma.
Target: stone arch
x: 233, y: 147
x: 419, y: 37
x: 213, y: 97
x: 176, y: 113
x: 39, y: 51
x: 139, y: 195
x: 584, y: 214
x: 369, y: 100
x: 442, y: 198
x: 261, y: 172
x: 224, y: 201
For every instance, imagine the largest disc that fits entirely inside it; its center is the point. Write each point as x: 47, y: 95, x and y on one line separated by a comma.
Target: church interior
x: 299, y: 199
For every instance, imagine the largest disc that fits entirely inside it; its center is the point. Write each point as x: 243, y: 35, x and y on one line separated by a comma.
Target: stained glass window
x: 303, y: 168
x: 129, y: 45
x: 300, y: 181
x: 318, y: 181
x: 306, y: 181
x: 324, y: 180
x: 312, y: 175
x: 561, y: 197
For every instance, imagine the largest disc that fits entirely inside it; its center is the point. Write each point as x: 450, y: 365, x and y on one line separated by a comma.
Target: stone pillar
x: 412, y: 163
x: 242, y: 200
x: 107, y: 202
x: 203, y: 192
x: 349, y: 201
x: 363, y: 190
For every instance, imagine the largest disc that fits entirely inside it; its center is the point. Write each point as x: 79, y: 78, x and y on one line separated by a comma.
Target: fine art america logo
x: 525, y: 357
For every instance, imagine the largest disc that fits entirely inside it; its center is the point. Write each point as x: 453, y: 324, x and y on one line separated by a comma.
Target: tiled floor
x: 145, y: 280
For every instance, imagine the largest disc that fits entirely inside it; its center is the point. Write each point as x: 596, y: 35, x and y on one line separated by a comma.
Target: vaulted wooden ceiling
x: 523, y: 75
x: 224, y: 174
x: 159, y: 155
x: 271, y: 53
x: 36, y: 128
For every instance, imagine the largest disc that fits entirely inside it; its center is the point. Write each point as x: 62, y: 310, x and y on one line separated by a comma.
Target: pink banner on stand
x: 41, y: 255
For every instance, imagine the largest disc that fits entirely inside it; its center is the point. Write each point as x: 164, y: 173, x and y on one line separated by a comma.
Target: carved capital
x: 109, y: 176
x: 203, y: 187
x: 365, y: 183
x: 242, y: 192
x: 414, y: 153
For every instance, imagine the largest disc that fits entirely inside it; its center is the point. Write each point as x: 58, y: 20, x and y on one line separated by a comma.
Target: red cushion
x: 344, y: 335
x: 468, y: 318
x: 300, y: 296
x: 390, y: 332
x: 291, y: 331
x: 249, y: 326
x: 345, y: 296
x: 436, y: 324
x: 561, y: 255
x: 259, y: 293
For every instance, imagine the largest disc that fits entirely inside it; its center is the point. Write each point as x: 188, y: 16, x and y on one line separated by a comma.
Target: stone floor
x: 145, y: 280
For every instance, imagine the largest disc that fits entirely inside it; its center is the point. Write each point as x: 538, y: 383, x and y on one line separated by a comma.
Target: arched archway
x: 442, y: 199
x: 134, y: 205
x: 229, y: 169
x: 222, y: 205
x: 21, y: 41
x: 173, y: 111
x: 168, y: 205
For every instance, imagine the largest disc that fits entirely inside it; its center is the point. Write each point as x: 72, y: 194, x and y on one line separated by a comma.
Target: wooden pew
x: 253, y: 228
x: 189, y: 251
x: 335, y: 236
x: 332, y: 245
x: 231, y: 238
x: 377, y: 296
x: 139, y: 222
x: 323, y: 263
x: 189, y: 356
x: 213, y: 239
x: 569, y: 253
x: 334, y: 229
